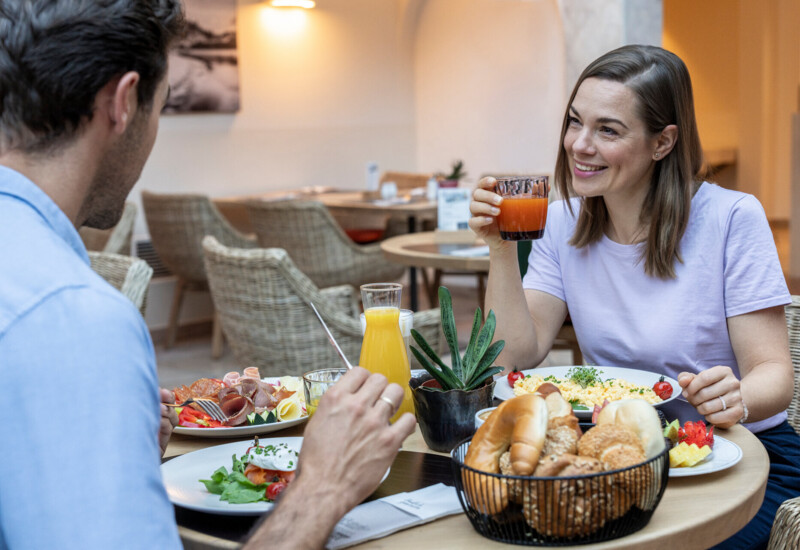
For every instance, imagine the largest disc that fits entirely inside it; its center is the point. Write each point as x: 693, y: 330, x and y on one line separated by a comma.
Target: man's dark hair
x: 55, y: 55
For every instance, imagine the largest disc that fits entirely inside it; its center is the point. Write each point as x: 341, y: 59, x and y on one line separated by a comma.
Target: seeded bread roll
x: 568, y: 508
x: 641, y: 418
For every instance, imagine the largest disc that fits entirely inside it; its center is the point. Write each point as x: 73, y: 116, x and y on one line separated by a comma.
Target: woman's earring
x: 657, y: 156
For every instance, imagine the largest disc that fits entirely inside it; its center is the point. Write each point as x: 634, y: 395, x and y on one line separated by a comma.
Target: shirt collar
x: 16, y: 185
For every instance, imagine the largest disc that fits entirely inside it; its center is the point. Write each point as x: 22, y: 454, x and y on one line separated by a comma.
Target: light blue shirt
x: 79, y: 400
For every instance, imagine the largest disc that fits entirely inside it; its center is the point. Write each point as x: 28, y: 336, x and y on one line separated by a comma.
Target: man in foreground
x: 81, y: 87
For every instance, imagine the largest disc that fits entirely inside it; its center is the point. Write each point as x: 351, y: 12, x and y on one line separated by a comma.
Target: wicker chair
x: 177, y: 226
x: 786, y: 527
x: 317, y: 245
x: 129, y: 275
x: 116, y: 240
x: 262, y: 299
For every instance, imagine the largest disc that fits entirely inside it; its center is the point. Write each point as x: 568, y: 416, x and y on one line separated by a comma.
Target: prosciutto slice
x: 231, y: 378
x: 251, y: 372
x: 248, y: 386
x: 236, y: 407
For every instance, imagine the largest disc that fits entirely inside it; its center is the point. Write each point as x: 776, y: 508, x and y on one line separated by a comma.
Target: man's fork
x: 210, y: 407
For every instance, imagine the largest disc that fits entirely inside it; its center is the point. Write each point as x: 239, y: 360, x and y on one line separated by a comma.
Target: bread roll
x: 518, y: 424
x: 569, y: 508
x: 639, y: 416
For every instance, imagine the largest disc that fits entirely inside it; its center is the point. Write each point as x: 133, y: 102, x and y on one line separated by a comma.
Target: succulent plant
x: 476, y: 366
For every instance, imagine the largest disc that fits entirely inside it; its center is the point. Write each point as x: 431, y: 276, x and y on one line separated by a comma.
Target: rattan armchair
x: 131, y: 276
x: 786, y: 527
x: 262, y: 299
x: 116, y: 240
x: 177, y: 226
x: 318, y: 245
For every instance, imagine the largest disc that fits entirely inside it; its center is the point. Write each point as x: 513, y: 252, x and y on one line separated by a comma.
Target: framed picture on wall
x: 203, y: 68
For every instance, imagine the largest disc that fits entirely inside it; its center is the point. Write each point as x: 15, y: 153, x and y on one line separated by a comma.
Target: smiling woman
x: 659, y: 270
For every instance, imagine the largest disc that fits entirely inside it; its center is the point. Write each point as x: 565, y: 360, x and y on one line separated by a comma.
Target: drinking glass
x: 316, y: 383
x: 383, y: 349
x: 523, y: 212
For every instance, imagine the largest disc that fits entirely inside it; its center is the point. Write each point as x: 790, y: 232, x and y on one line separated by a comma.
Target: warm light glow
x: 308, y: 4
x: 284, y: 23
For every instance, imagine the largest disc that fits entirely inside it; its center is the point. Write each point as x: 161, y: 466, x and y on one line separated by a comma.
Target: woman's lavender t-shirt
x: 625, y: 318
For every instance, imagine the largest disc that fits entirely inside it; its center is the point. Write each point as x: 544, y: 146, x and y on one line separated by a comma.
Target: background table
x: 695, y: 512
x: 338, y: 202
x: 434, y: 249
x: 341, y: 204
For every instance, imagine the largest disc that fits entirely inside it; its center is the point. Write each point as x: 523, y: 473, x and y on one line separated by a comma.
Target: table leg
x: 412, y: 271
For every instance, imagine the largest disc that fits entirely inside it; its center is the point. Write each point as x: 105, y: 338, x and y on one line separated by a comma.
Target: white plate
x: 725, y: 454
x: 241, y: 431
x: 182, y: 477
x: 503, y: 391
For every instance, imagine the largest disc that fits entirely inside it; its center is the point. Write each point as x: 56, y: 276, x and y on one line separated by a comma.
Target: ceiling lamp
x: 308, y: 4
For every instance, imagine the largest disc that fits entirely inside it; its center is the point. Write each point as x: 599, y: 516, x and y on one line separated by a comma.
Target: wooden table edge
x: 395, y: 250
x: 457, y: 527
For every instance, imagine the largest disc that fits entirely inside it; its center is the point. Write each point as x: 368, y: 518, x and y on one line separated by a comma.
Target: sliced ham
x: 225, y: 391
x: 264, y: 399
x: 282, y: 394
x: 252, y: 372
x: 236, y: 408
x: 248, y: 386
x: 231, y: 378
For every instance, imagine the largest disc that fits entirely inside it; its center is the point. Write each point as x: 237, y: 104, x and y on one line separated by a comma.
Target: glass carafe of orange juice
x: 383, y: 349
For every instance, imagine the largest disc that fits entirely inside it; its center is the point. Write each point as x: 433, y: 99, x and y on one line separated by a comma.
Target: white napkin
x: 472, y: 251
x: 383, y: 517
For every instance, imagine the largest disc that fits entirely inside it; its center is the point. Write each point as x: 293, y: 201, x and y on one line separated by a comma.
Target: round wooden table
x: 435, y: 249
x: 695, y: 512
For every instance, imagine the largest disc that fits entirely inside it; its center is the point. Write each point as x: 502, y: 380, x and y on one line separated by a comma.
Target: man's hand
x: 169, y: 419
x: 348, y: 445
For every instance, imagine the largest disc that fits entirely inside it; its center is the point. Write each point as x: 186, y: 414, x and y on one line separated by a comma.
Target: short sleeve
x: 754, y: 279
x: 81, y: 460
x: 544, y: 266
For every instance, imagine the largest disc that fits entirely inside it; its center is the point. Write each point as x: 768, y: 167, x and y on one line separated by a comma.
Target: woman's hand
x: 484, y: 207
x: 715, y: 393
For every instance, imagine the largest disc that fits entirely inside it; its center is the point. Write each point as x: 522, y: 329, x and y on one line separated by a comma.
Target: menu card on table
x: 383, y: 517
x: 453, y: 208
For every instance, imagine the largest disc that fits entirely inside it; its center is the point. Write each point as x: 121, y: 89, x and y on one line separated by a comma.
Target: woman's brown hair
x: 661, y: 82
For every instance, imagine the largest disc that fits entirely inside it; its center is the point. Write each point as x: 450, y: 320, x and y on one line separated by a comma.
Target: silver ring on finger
x: 724, y: 405
x: 385, y: 399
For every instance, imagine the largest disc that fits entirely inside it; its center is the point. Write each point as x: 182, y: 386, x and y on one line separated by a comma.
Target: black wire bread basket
x: 560, y: 511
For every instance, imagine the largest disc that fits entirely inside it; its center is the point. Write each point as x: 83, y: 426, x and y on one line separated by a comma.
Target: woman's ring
x: 389, y: 401
x: 724, y: 405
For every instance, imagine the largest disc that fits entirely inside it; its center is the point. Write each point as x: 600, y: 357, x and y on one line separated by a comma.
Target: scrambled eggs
x: 593, y: 394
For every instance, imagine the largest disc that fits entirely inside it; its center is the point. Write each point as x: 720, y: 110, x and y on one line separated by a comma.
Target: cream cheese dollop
x: 279, y: 456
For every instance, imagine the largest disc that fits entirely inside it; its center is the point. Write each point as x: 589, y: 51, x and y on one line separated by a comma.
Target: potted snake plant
x: 448, y: 396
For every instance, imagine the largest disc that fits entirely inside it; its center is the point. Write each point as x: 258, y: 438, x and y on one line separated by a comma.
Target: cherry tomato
x: 275, y: 489
x: 513, y: 376
x: 663, y: 388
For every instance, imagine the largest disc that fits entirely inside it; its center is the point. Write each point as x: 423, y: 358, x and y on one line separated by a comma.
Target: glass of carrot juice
x: 523, y: 212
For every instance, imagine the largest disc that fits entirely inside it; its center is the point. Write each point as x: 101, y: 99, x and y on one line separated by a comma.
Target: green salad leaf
x: 234, y: 486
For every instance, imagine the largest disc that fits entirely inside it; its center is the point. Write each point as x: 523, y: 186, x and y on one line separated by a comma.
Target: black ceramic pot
x: 446, y: 418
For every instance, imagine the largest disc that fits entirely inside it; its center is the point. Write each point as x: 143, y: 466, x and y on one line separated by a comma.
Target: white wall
x: 317, y: 103
x: 489, y: 85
